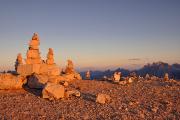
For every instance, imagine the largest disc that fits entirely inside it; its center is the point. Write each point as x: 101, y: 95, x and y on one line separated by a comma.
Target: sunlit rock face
x: 10, y: 81
x: 34, y: 63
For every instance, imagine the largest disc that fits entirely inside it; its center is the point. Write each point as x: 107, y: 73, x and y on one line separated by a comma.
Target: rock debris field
x: 147, y: 99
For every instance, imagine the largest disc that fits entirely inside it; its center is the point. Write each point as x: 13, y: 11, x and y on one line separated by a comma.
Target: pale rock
x: 105, y: 78
x: 53, y: 91
x: 9, y: 81
x: 117, y: 77
x: 49, y: 69
x: 103, y: 98
x: 28, y: 69
x: 166, y: 77
x: 130, y: 80
x: 147, y: 77
x: 88, y: 75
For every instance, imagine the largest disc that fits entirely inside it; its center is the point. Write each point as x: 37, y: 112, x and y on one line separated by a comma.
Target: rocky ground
x: 139, y: 100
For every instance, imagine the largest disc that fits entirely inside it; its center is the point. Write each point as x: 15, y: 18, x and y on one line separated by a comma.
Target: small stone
x: 103, y: 98
x: 130, y: 80
x: 88, y: 75
x: 166, y: 77
x: 116, y: 77
x: 154, y: 109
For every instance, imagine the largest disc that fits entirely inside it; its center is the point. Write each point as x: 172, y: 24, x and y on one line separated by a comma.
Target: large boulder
x: 9, y: 81
x: 38, y: 81
x: 53, y: 91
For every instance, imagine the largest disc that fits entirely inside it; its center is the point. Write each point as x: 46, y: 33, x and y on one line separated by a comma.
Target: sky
x: 95, y: 34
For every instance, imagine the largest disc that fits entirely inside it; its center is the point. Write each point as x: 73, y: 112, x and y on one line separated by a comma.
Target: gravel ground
x: 139, y: 100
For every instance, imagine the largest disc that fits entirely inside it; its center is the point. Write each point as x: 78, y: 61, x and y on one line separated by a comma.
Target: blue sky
x: 97, y: 34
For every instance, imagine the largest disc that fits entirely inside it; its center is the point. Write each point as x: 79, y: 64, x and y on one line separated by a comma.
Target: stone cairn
x: 116, y: 77
x: 88, y: 75
x: 70, y: 67
x: 33, y: 61
x: 33, y: 54
x: 50, y: 57
x: 166, y: 77
x: 19, y: 61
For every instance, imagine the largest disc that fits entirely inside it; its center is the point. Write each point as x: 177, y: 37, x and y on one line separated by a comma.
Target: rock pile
x: 34, y: 63
x: 41, y: 74
x: 70, y: 74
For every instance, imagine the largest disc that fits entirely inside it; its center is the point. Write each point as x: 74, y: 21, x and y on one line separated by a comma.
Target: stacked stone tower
x: 19, y: 61
x: 34, y: 63
x: 70, y: 67
x: 50, y: 57
x: 33, y: 54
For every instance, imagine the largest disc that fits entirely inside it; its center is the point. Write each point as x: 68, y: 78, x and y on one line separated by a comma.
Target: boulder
x: 103, y: 98
x: 37, y: 81
x: 53, y: 91
x: 9, y: 81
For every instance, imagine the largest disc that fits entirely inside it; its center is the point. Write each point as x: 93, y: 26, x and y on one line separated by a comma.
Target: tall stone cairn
x: 33, y: 54
x: 50, y: 57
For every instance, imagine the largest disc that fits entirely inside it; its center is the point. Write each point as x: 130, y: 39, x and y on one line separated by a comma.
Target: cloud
x: 134, y: 59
